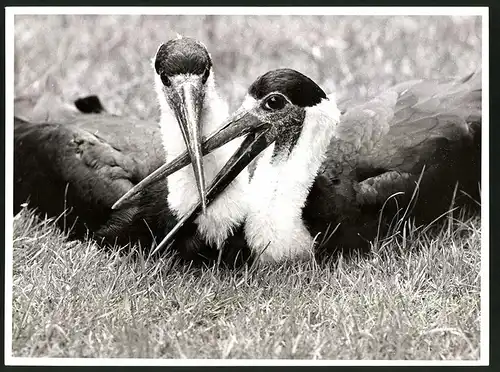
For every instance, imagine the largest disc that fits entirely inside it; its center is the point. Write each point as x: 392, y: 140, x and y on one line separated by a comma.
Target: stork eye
x: 275, y: 102
x: 206, y: 74
x: 165, y: 80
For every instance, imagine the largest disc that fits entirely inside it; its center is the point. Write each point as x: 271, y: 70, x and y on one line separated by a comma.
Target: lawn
x: 416, y: 297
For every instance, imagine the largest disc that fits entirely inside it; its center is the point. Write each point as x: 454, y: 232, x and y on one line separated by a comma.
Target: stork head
x: 281, y: 107
x: 182, y: 68
x: 285, y: 102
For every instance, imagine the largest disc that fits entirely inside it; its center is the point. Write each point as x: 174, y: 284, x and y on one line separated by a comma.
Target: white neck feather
x: 225, y: 213
x: 278, y: 189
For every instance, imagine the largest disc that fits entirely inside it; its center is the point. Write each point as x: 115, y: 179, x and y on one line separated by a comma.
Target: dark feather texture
x: 82, y: 163
x: 424, y: 129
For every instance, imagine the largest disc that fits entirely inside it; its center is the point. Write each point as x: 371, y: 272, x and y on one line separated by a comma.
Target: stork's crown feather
x: 298, y: 88
x: 182, y: 56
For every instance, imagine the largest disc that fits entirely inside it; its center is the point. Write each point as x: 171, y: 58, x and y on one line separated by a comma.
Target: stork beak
x: 258, y: 139
x: 240, y: 124
x: 186, y: 99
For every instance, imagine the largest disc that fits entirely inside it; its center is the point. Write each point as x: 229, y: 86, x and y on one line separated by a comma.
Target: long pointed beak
x: 187, y: 102
x: 255, y: 142
x: 240, y: 124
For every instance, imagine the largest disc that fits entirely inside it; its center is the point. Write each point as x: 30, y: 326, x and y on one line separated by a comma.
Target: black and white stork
x: 315, y: 167
x: 84, y: 161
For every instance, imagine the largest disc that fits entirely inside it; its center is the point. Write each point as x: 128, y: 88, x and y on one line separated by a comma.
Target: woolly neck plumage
x: 225, y: 213
x: 280, y: 185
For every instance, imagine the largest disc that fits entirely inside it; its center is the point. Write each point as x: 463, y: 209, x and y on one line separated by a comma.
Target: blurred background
x: 354, y: 56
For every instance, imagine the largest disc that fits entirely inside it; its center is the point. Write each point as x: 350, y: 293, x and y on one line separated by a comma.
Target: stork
x: 85, y: 162
x: 317, y: 167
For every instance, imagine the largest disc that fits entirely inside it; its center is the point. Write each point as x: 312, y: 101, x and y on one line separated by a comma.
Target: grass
x: 416, y: 297
x: 420, y: 301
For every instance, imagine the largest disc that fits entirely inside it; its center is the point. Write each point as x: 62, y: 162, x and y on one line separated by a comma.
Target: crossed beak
x: 243, y: 122
x: 258, y: 138
x: 186, y: 100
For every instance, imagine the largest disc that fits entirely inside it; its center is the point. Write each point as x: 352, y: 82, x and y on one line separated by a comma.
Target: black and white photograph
x: 246, y: 186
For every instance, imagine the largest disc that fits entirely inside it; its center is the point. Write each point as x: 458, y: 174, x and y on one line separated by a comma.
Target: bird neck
x: 225, y: 213
x: 279, y: 188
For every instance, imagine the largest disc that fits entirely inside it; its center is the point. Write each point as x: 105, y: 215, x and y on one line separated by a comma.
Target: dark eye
x: 275, y: 102
x: 206, y: 74
x: 165, y: 80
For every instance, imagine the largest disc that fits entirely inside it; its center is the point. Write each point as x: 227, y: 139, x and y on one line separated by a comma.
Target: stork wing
x: 84, y: 162
x: 413, y: 125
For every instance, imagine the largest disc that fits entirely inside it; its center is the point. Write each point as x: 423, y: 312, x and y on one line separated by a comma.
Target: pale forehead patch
x: 185, y: 79
x: 248, y: 103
